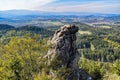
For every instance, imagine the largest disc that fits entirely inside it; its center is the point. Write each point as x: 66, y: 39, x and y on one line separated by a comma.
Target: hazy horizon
x: 91, y: 6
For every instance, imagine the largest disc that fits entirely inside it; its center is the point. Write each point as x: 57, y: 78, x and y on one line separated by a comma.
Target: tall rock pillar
x: 64, y: 54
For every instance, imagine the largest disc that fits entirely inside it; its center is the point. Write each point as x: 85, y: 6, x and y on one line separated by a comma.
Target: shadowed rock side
x: 64, y: 54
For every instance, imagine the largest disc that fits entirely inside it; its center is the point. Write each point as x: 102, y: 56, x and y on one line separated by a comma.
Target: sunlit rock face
x: 64, y: 53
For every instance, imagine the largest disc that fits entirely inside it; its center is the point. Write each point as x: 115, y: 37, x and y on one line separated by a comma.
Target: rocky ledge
x: 64, y: 54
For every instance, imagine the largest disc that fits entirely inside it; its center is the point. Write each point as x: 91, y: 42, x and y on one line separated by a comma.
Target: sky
x: 94, y: 6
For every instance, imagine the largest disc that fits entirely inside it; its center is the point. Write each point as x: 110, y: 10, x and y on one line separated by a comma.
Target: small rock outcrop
x: 64, y: 54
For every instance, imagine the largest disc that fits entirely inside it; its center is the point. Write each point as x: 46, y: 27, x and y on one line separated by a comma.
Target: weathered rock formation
x: 64, y: 54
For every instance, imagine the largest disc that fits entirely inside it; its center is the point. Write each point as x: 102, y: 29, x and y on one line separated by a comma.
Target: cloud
x: 22, y: 4
x: 99, y: 7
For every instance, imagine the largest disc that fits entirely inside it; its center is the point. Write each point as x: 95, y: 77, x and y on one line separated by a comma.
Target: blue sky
x: 98, y: 6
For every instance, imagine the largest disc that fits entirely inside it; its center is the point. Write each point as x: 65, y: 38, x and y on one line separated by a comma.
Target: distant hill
x: 9, y: 31
x: 117, y: 17
x: 6, y: 27
x: 14, y: 13
x: 27, y: 17
x: 34, y: 29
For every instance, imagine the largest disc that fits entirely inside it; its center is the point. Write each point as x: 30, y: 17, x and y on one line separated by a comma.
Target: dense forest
x: 22, y: 50
x: 100, y: 53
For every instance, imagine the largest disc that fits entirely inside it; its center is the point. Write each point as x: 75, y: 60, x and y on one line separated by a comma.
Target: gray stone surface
x: 63, y: 49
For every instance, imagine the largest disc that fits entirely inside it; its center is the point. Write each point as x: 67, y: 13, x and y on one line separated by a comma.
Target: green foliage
x: 44, y: 76
x: 7, y: 31
x: 22, y: 50
x: 20, y: 58
x: 93, y: 68
x: 102, y: 45
x: 109, y: 76
x: 100, y: 52
x: 116, y: 67
x: 100, y: 70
